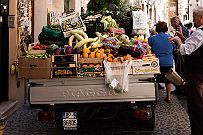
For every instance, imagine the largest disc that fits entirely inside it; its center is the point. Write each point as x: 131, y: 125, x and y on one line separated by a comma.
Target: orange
x: 92, y: 55
x: 101, y: 50
x: 127, y: 57
x: 86, y: 50
x: 85, y: 55
x: 84, y: 65
x: 109, y: 59
x: 98, y: 55
x: 96, y: 49
x: 91, y: 65
x: 97, y: 65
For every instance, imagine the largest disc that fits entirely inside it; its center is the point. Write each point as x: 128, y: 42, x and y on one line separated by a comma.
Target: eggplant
x: 68, y: 50
x: 77, y: 51
x: 57, y: 51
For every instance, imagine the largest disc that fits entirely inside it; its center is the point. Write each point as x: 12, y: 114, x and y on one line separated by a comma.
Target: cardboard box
x: 35, y: 68
x: 145, y: 67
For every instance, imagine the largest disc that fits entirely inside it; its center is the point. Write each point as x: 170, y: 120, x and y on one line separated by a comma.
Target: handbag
x: 173, y: 76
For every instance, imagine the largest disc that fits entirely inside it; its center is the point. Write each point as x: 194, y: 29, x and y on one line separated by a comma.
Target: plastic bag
x: 56, y: 34
x: 116, y: 75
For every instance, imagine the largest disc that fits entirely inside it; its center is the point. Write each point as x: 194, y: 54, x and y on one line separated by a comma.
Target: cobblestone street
x: 170, y: 119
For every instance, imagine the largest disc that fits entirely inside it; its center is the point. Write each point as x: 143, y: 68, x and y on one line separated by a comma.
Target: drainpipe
x: 188, y: 12
x: 177, y: 7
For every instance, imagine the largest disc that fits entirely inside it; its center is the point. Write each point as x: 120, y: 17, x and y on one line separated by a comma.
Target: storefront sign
x: 139, y: 20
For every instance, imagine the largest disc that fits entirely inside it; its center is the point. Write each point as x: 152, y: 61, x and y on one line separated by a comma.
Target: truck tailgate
x: 87, y: 90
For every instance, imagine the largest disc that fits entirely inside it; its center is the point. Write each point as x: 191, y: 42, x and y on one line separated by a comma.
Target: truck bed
x: 88, y: 90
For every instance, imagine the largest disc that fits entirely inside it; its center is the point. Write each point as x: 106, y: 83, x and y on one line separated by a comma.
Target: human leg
x: 168, y: 92
x: 195, y: 103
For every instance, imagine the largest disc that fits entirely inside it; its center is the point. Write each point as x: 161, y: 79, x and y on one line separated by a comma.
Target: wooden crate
x: 65, y: 65
x: 35, y: 68
x: 91, y: 67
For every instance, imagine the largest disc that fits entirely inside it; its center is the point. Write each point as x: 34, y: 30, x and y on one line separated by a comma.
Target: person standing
x: 182, y: 32
x: 163, y: 50
x: 193, y: 49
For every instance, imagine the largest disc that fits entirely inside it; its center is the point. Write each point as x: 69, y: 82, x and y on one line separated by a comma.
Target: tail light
x: 142, y: 113
x: 45, y: 116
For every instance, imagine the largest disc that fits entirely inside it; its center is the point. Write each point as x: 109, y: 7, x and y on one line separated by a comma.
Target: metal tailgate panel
x: 90, y: 93
x: 83, y: 81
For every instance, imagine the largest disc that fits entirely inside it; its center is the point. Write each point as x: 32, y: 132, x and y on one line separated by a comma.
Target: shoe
x: 167, y: 100
x: 176, y: 92
x: 160, y: 87
x: 173, y: 92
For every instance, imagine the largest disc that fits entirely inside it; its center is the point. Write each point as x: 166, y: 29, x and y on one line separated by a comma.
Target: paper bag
x: 173, y: 76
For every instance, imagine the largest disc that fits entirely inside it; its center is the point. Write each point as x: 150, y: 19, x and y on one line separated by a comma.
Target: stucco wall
x: 56, y: 5
x: 14, y: 92
x: 40, y: 17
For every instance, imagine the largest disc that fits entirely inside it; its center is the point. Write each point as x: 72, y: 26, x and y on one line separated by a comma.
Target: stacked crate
x: 64, y: 65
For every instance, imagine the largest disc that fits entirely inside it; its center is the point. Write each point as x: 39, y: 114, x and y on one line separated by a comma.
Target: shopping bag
x: 116, y: 75
x: 180, y: 66
x: 173, y: 76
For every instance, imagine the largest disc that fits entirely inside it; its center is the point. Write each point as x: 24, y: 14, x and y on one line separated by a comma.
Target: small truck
x: 74, y: 99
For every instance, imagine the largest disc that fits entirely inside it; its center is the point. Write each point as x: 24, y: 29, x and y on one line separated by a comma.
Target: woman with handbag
x: 163, y: 49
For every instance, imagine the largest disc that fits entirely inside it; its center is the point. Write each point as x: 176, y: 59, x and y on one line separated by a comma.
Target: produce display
x: 112, y: 45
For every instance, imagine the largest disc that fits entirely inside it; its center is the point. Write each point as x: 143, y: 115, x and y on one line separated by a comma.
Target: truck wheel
x: 150, y: 122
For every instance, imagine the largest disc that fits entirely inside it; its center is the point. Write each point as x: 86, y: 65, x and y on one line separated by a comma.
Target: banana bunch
x: 83, y: 41
x: 98, y: 43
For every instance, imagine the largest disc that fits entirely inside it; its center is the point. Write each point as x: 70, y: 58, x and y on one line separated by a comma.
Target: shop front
x: 11, y: 87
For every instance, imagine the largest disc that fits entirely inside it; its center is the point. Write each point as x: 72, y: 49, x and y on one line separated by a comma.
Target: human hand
x: 175, y: 40
x: 178, y: 29
x: 180, y: 35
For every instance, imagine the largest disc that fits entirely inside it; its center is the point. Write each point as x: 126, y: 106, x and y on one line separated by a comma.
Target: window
x: 66, y: 6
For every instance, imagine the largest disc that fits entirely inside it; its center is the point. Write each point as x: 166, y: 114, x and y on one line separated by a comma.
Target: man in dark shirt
x: 183, y: 33
x: 193, y: 49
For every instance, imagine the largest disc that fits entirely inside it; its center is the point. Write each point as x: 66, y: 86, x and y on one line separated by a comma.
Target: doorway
x: 4, y: 57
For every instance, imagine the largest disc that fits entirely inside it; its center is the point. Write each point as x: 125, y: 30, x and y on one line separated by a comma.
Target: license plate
x: 70, y: 120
